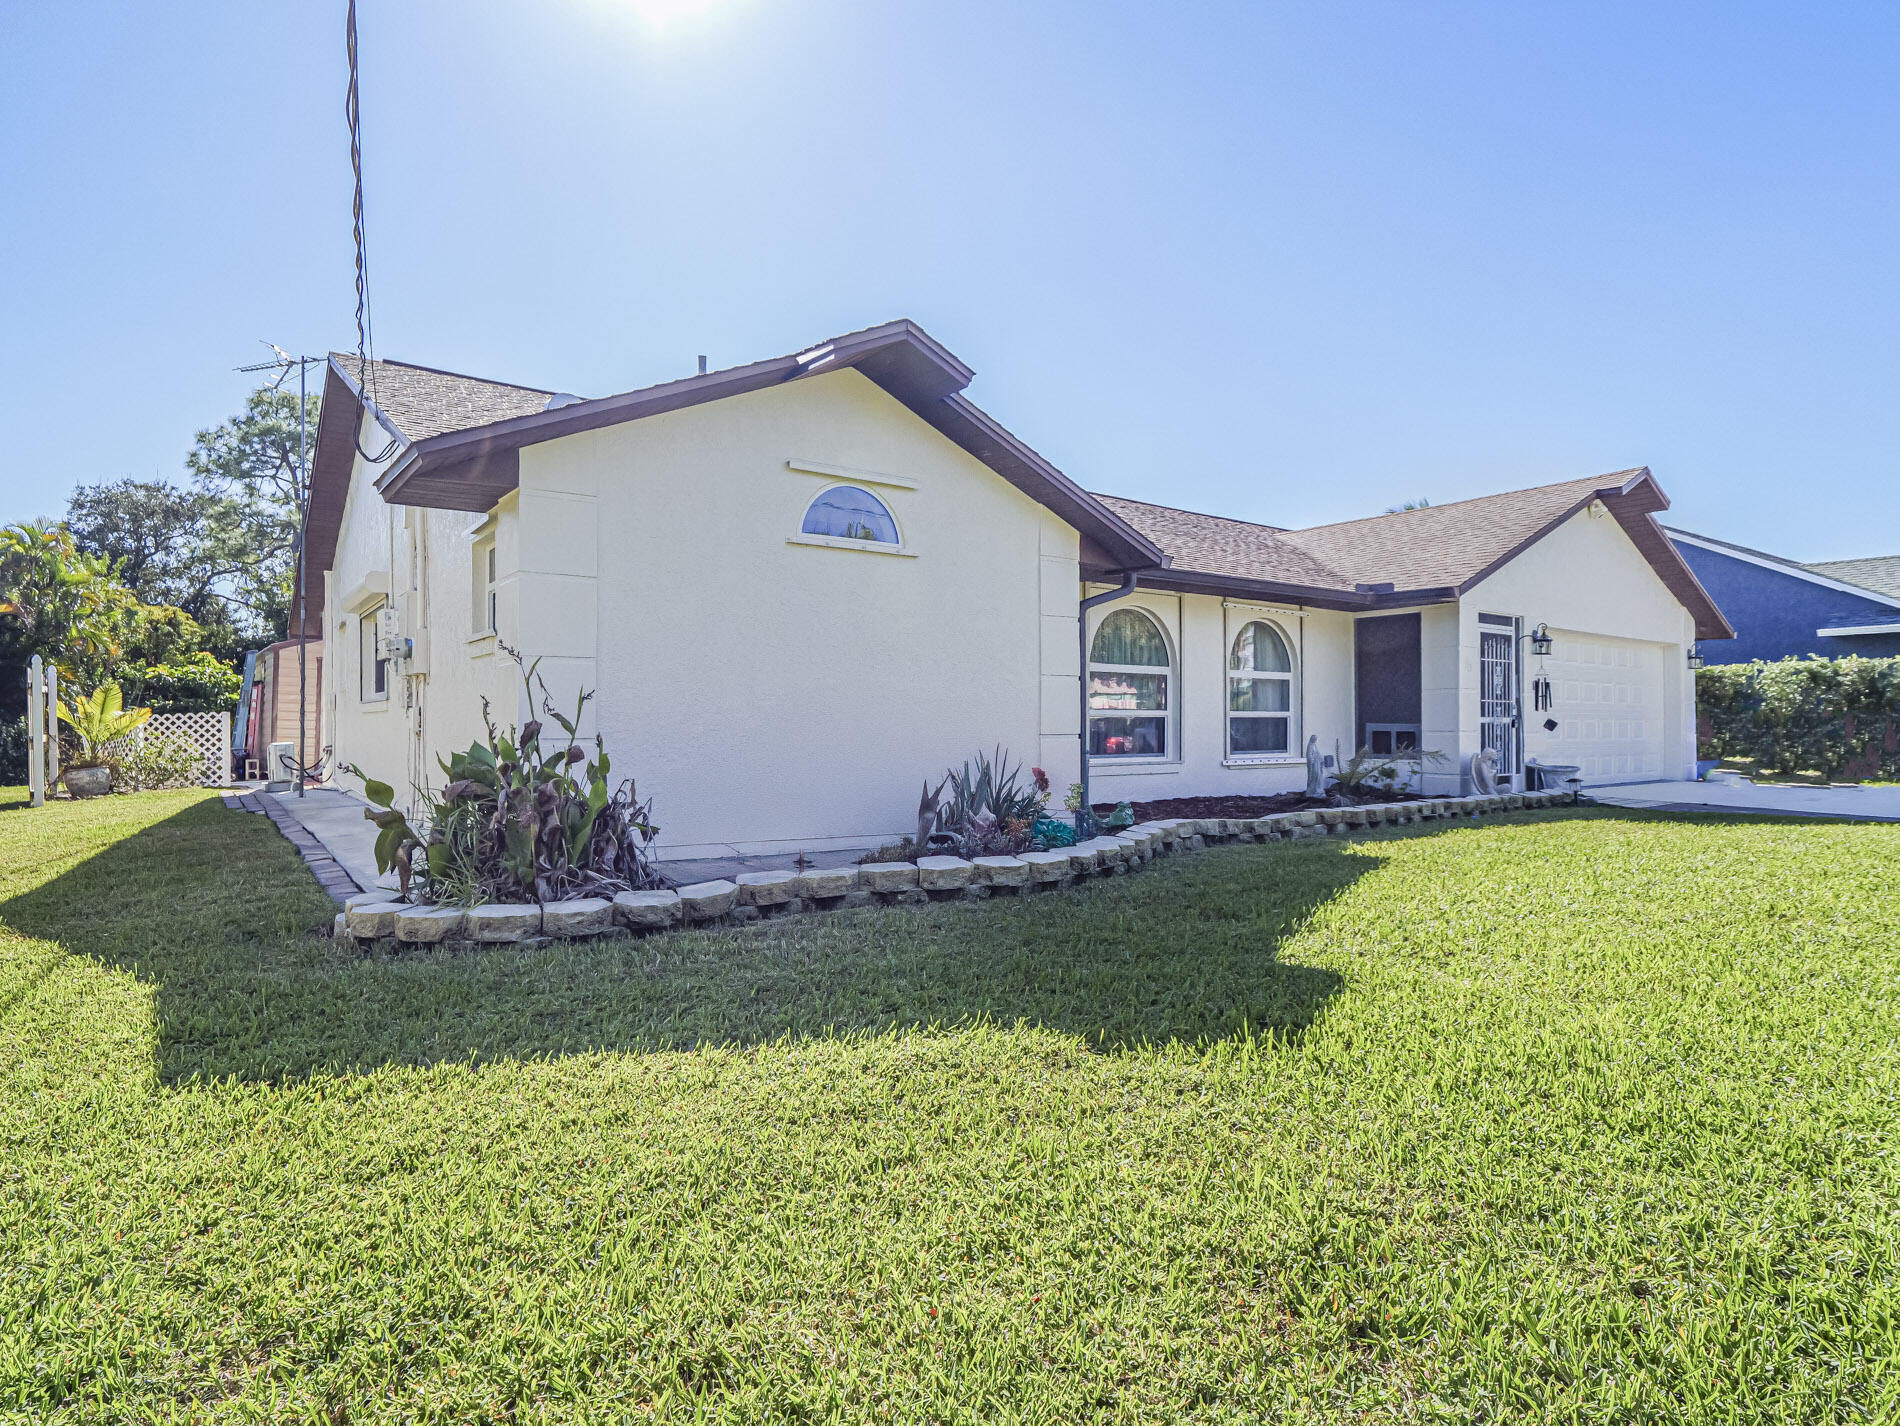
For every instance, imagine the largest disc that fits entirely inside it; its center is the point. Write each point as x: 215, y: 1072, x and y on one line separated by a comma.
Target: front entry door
x: 1497, y: 693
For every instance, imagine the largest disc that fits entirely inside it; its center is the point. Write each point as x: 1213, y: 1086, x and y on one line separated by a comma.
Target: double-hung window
x: 1259, y: 693
x: 1130, y: 670
x: 486, y: 621
x: 372, y: 670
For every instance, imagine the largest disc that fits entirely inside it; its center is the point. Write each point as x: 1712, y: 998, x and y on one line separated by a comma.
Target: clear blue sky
x: 1293, y: 263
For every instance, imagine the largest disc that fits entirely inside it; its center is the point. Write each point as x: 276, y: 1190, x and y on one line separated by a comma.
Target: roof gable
x: 445, y: 465
x: 1411, y: 556
x: 419, y: 401
x: 1448, y: 546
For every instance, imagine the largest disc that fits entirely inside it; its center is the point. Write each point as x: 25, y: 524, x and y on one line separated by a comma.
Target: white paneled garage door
x: 1607, y: 698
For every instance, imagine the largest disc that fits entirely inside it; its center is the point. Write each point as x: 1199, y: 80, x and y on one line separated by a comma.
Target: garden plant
x: 523, y: 817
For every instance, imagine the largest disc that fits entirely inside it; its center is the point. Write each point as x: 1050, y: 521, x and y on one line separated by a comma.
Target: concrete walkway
x: 336, y: 819
x: 1865, y: 804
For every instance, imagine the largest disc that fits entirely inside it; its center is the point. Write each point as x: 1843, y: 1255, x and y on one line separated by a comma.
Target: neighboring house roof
x: 1881, y: 573
x: 1410, y: 556
x: 1878, y: 578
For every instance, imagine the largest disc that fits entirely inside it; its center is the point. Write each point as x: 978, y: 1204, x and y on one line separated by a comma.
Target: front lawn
x: 1573, y: 1116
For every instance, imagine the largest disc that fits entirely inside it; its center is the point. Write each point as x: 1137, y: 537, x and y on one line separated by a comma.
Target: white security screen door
x: 1497, y: 690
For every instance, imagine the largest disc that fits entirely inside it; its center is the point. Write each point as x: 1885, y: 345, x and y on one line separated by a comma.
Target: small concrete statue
x: 1484, y: 773
x: 1315, y: 769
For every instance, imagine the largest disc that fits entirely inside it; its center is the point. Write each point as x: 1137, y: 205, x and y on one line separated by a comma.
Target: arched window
x: 846, y: 512
x: 1129, y: 665
x: 1259, y: 693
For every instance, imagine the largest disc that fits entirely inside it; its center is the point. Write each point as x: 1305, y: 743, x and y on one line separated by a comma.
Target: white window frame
x: 367, y: 664
x: 1170, y: 714
x: 485, y: 571
x: 1238, y: 620
x: 901, y: 549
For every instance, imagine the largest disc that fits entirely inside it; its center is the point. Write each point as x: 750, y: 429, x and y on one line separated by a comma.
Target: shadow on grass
x: 214, y: 910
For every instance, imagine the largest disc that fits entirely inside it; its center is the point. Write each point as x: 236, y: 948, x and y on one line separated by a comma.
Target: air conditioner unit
x: 390, y: 644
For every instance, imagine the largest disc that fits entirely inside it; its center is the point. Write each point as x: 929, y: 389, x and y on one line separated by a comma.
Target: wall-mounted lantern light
x: 1695, y: 657
x: 1540, y: 640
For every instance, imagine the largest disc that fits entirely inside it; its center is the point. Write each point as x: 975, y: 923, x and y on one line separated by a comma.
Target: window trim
x: 841, y: 542
x: 366, y: 656
x: 485, y: 581
x: 1170, y: 714
x: 1237, y: 621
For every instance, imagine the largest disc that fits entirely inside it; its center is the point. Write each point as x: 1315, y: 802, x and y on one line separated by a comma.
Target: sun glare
x: 661, y: 13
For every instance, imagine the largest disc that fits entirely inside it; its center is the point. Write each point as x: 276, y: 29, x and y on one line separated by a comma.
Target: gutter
x: 1130, y: 578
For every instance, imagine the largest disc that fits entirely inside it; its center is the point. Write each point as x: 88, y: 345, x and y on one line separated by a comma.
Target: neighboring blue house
x: 1781, y: 609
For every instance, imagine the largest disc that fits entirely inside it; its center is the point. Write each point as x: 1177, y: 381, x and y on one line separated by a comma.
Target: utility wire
x: 365, y: 326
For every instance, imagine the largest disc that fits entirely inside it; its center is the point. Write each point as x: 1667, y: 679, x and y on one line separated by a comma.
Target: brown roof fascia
x: 979, y: 433
x: 1635, y: 510
x: 1633, y: 505
x: 471, y: 470
x: 338, y: 420
x: 1191, y: 581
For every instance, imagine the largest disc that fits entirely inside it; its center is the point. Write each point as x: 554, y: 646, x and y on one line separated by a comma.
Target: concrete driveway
x: 1866, y: 804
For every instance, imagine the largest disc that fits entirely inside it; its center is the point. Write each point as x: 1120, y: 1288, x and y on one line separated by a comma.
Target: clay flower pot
x: 88, y: 781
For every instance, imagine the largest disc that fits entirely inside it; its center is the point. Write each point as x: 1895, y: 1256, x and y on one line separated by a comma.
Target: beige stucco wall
x: 422, y: 562
x: 771, y: 693
x: 1586, y: 579
x: 767, y: 693
x: 1201, y: 629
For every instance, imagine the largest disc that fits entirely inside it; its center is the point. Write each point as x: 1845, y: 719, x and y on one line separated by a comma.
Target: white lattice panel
x: 210, y: 733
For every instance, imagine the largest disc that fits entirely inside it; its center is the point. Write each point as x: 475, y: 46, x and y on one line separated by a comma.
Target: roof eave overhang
x: 473, y: 469
x: 1228, y: 586
x: 332, y: 459
x: 1634, y: 505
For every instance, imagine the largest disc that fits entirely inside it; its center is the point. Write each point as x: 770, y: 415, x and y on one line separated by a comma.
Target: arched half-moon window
x: 848, y: 512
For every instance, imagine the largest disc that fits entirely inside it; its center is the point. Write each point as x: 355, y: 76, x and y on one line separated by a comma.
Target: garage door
x: 1607, y: 699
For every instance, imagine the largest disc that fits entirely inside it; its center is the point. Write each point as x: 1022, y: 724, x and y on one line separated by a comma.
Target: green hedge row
x: 1838, y: 716
x: 197, y: 684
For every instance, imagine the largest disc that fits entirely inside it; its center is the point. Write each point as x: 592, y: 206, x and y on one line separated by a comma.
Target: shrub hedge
x: 1839, y: 716
x: 197, y: 683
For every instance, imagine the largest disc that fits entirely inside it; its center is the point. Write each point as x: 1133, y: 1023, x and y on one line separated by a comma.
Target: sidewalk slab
x: 1860, y: 804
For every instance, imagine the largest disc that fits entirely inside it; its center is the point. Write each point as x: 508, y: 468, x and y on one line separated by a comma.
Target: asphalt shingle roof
x: 1212, y: 544
x: 424, y: 402
x: 1881, y: 573
x: 1436, y: 547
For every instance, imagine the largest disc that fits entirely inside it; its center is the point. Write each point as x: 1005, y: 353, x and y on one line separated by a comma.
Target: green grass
x: 1579, y: 1116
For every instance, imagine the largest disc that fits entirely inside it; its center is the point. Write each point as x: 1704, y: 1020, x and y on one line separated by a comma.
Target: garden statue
x: 1315, y: 769
x: 1484, y: 773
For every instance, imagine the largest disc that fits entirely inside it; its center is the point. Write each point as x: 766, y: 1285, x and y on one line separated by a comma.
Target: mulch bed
x: 1245, y: 806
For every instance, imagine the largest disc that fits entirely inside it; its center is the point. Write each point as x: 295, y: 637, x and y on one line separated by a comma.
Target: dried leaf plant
x: 523, y: 817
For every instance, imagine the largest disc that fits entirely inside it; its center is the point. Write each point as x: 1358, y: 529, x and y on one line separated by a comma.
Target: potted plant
x: 98, y: 719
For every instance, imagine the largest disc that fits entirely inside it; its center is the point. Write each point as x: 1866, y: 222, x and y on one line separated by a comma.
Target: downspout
x: 1129, y: 580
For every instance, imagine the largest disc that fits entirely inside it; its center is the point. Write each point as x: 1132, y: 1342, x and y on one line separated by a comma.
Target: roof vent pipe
x: 702, y: 364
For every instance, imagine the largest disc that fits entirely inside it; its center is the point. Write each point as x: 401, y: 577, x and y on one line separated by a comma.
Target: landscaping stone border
x: 369, y: 917
x: 326, y: 868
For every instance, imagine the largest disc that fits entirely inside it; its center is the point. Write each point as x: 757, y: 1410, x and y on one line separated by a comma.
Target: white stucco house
x: 800, y: 587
